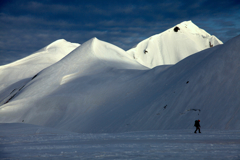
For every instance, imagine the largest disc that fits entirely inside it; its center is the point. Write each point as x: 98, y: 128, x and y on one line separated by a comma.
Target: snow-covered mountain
x: 16, y: 74
x: 94, y: 64
x: 99, y: 87
x: 173, y: 45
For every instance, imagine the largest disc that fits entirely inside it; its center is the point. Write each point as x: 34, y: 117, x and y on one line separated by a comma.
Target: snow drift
x: 99, y: 87
x: 173, y: 45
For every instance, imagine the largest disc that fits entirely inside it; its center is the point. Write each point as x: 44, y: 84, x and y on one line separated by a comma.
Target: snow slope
x: 80, y: 71
x: 170, y: 47
x: 99, y: 88
x: 16, y: 74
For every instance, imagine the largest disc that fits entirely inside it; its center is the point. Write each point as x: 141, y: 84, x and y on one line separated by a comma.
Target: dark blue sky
x: 28, y: 25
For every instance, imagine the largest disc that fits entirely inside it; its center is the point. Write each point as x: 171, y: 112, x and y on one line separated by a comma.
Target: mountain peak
x: 97, y: 51
x: 173, y: 45
x: 34, y: 63
x: 60, y: 43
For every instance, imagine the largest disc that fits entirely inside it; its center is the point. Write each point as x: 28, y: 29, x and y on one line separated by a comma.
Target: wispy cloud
x: 28, y: 25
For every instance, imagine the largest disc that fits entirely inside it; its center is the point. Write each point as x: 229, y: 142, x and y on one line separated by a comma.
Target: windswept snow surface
x: 89, y: 92
x: 170, y: 47
x: 24, y: 141
x: 16, y: 74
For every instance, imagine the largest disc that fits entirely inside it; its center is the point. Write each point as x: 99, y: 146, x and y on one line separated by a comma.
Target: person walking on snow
x: 197, y: 125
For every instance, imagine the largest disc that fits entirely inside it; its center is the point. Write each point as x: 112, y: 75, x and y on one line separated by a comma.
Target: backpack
x: 196, y: 123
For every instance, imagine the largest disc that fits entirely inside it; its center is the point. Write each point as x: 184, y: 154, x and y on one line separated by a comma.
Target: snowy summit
x: 173, y: 45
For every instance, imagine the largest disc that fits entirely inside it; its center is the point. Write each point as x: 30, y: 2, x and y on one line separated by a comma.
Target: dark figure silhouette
x: 197, y: 125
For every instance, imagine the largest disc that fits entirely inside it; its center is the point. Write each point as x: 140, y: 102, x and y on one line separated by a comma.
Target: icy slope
x: 172, y: 46
x: 86, y: 92
x: 16, y: 74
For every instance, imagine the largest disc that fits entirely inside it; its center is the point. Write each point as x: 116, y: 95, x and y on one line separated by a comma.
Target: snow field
x: 23, y: 141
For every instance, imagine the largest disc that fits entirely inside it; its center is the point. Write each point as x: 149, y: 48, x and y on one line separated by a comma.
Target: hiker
x: 197, y: 125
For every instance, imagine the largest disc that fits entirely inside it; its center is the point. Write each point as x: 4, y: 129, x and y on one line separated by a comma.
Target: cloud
x: 26, y: 26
